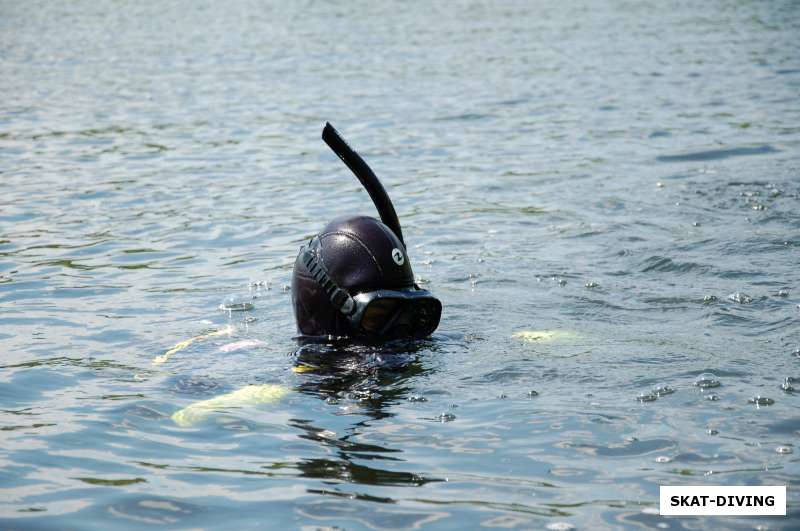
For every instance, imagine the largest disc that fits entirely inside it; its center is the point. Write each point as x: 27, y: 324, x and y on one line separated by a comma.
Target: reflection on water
x: 363, y: 381
x: 604, y: 196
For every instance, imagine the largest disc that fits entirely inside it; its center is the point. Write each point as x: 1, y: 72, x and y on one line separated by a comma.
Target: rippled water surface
x: 605, y: 195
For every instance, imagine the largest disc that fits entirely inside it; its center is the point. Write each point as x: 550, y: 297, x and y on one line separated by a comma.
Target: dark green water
x: 624, y: 174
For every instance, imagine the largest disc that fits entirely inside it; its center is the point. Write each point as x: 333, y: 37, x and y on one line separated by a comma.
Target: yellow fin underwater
x: 250, y: 395
x: 163, y: 358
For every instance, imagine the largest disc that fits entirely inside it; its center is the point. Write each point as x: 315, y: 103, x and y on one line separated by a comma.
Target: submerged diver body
x: 354, y: 280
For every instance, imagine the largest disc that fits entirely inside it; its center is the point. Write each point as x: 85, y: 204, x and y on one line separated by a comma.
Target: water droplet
x: 712, y: 432
x: 708, y: 299
x: 502, y: 396
x: 710, y: 472
x: 532, y: 393
x: 740, y: 298
x: 784, y: 449
x: 712, y: 397
x: 663, y: 459
x: 783, y: 293
x: 562, y: 282
x: 417, y: 398
x: 761, y: 401
x: 285, y: 288
x: 787, y: 385
x: 332, y: 401
x: 647, y: 397
x: 235, y: 303
x: 447, y: 417
x: 659, y: 184
x: 663, y: 391
x: 707, y: 380
x: 592, y: 284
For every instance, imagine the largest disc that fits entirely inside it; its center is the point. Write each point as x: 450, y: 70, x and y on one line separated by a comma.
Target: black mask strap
x: 340, y: 299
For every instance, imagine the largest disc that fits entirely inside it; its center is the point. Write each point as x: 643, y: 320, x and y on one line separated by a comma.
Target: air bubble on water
x: 502, y: 396
x: 562, y: 282
x: 592, y: 284
x: 708, y: 299
x: 784, y: 449
x: 285, y: 288
x: 647, y: 397
x: 331, y: 401
x: 695, y: 224
x: 788, y: 384
x: 236, y: 303
x: 663, y: 391
x: 761, y: 401
x: 659, y: 184
x: 417, y: 398
x: 740, y: 298
x: 446, y: 417
x: 712, y: 397
x: 712, y: 432
x: 532, y: 393
x: 783, y: 293
x: 707, y: 380
x: 663, y: 459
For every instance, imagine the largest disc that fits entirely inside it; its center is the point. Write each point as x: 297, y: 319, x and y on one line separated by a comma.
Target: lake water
x: 605, y: 195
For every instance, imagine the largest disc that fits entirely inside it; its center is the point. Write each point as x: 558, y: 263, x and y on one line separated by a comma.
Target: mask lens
x: 378, y: 313
x: 424, y: 317
x: 405, y: 318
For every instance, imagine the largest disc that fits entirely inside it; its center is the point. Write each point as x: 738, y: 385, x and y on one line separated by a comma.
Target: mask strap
x: 340, y: 299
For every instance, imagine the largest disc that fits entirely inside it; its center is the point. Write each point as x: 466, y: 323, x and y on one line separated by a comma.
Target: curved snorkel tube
x: 367, y: 177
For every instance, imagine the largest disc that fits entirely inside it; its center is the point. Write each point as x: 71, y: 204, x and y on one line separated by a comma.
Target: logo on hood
x: 397, y: 256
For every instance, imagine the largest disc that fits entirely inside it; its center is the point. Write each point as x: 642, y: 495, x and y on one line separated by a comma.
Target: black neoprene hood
x: 359, y: 254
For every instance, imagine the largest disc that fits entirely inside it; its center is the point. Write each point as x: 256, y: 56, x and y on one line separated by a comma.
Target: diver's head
x: 354, y: 278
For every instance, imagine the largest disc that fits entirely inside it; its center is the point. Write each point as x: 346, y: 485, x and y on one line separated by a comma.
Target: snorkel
x: 367, y: 177
x: 354, y: 278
